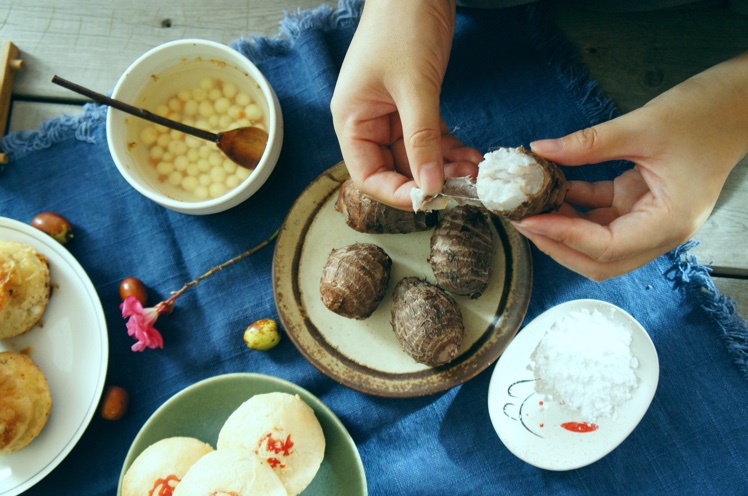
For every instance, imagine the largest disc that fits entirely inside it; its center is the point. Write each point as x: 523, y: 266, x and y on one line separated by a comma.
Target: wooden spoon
x: 244, y: 145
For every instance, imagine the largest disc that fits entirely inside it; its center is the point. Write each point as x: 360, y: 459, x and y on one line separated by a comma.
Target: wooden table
x: 633, y: 56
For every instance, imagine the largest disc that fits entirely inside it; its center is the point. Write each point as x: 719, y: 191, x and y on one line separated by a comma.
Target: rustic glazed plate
x: 200, y: 411
x: 545, y: 433
x: 70, y: 345
x: 365, y: 355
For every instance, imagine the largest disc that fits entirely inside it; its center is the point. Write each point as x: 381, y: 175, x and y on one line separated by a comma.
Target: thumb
x: 421, y: 123
x: 606, y: 141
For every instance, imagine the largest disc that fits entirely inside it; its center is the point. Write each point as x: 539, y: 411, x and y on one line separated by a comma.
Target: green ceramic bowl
x: 201, y: 409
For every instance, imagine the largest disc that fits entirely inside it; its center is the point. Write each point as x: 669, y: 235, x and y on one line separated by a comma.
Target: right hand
x: 386, y: 102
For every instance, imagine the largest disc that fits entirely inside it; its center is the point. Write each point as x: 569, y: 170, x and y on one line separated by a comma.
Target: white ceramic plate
x: 71, y: 347
x: 200, y: 411
x: 530, y: 426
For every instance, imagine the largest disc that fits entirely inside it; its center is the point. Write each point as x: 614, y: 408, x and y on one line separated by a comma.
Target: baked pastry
x: 24, y: 287
x: 283, y: 431
x: 162, y: 465
x: 25, y: 401
x: 233, y: 471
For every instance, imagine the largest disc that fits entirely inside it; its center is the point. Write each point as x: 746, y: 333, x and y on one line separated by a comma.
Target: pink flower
x: 140, y: 323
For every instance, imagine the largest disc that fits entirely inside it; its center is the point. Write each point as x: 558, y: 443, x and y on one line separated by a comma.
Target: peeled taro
x: 512, y: 182
x: 367, y: 215
x: 355, y: 279
x: 516, y: 183
x: 461, y: 251
x: 427, y: 322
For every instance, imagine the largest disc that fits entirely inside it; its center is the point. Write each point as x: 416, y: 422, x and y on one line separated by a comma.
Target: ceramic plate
x: 530, y: 426
x: 365, y: 355
x: 70, y: 345
x: 200, y: 411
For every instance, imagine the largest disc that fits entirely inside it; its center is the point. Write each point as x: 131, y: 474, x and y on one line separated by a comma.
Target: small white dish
x: 530, y: 426
x: 71, y: 347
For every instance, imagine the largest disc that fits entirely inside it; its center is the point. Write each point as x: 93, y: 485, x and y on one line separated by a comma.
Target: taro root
x: 461, y: 251
x: 355, y: 279
x: 427, y: 322
x: 516, y: 183
x: 367, y: 215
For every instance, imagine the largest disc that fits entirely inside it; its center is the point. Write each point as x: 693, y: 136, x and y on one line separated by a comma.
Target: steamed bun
x: 282, y: 431
x: 231, y: 471
x: 163, y: 464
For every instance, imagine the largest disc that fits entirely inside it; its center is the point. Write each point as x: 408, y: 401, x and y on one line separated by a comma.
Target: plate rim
x: 248, y: 376
x: 60, y: 251
x: 287, y: 254
x: 493, y: 387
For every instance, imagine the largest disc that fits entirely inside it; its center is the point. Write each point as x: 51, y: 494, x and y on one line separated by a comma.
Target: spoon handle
x: 138, y: 112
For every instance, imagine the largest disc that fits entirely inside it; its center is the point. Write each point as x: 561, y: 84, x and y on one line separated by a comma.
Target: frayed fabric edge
x: 688, y: 274
x: 81, y: 126
x: 323, y: 18
x: 571, y: 72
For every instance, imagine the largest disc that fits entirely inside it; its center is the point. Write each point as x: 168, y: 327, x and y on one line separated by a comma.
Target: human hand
x: 683, y: 143
x: 386, y: 102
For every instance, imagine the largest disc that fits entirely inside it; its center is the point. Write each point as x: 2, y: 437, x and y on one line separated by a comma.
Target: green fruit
x: 262, y: 335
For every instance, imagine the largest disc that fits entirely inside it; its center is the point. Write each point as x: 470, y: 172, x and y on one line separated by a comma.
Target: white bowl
x: 157, y: 76
x: 532, y: 427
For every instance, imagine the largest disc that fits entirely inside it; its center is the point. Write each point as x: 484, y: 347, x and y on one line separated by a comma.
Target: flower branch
x: 141, y: 321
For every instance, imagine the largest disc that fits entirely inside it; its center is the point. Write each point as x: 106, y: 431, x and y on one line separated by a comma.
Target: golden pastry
x: 24, y: 287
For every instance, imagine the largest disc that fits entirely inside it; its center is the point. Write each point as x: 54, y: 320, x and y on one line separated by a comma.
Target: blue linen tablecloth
x: 512, y: 78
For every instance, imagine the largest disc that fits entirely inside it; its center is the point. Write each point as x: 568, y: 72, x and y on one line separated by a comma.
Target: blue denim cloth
x: 512, y: 78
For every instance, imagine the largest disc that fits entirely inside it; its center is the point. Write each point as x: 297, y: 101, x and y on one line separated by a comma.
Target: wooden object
x: 9, y: 64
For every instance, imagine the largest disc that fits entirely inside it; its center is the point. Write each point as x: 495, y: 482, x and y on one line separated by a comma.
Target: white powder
x: 508, y: 177
x: 585, y: 362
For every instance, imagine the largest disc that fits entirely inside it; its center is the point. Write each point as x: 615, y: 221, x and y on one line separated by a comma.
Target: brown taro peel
x: 427, y: 322
x: 366, y: 215
x: 462, y: 250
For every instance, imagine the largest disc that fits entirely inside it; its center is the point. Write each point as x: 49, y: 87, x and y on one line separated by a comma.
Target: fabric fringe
x: 571, y: 72
x: 323, y: 18
x: 53, y: 131
x: 689, y: 275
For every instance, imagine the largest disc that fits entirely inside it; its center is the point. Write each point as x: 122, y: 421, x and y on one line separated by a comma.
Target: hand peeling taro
x: 512, y: 182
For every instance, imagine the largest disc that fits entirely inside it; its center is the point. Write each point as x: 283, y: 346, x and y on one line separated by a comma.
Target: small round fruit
x: 115, y: 403
x: 55, y: 225
x: 132, y: 286
x: 262, y: 335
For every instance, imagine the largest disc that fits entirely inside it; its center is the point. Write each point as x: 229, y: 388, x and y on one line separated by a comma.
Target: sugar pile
x: 585, y: 362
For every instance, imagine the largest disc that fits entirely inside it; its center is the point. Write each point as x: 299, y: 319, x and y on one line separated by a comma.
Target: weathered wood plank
x: 92, y: 42
x: 30, y: 115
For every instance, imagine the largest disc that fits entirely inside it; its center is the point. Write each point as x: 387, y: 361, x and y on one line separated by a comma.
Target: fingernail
x: 522, y: 226
x: 547, y: 146
x: 431, y: 178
